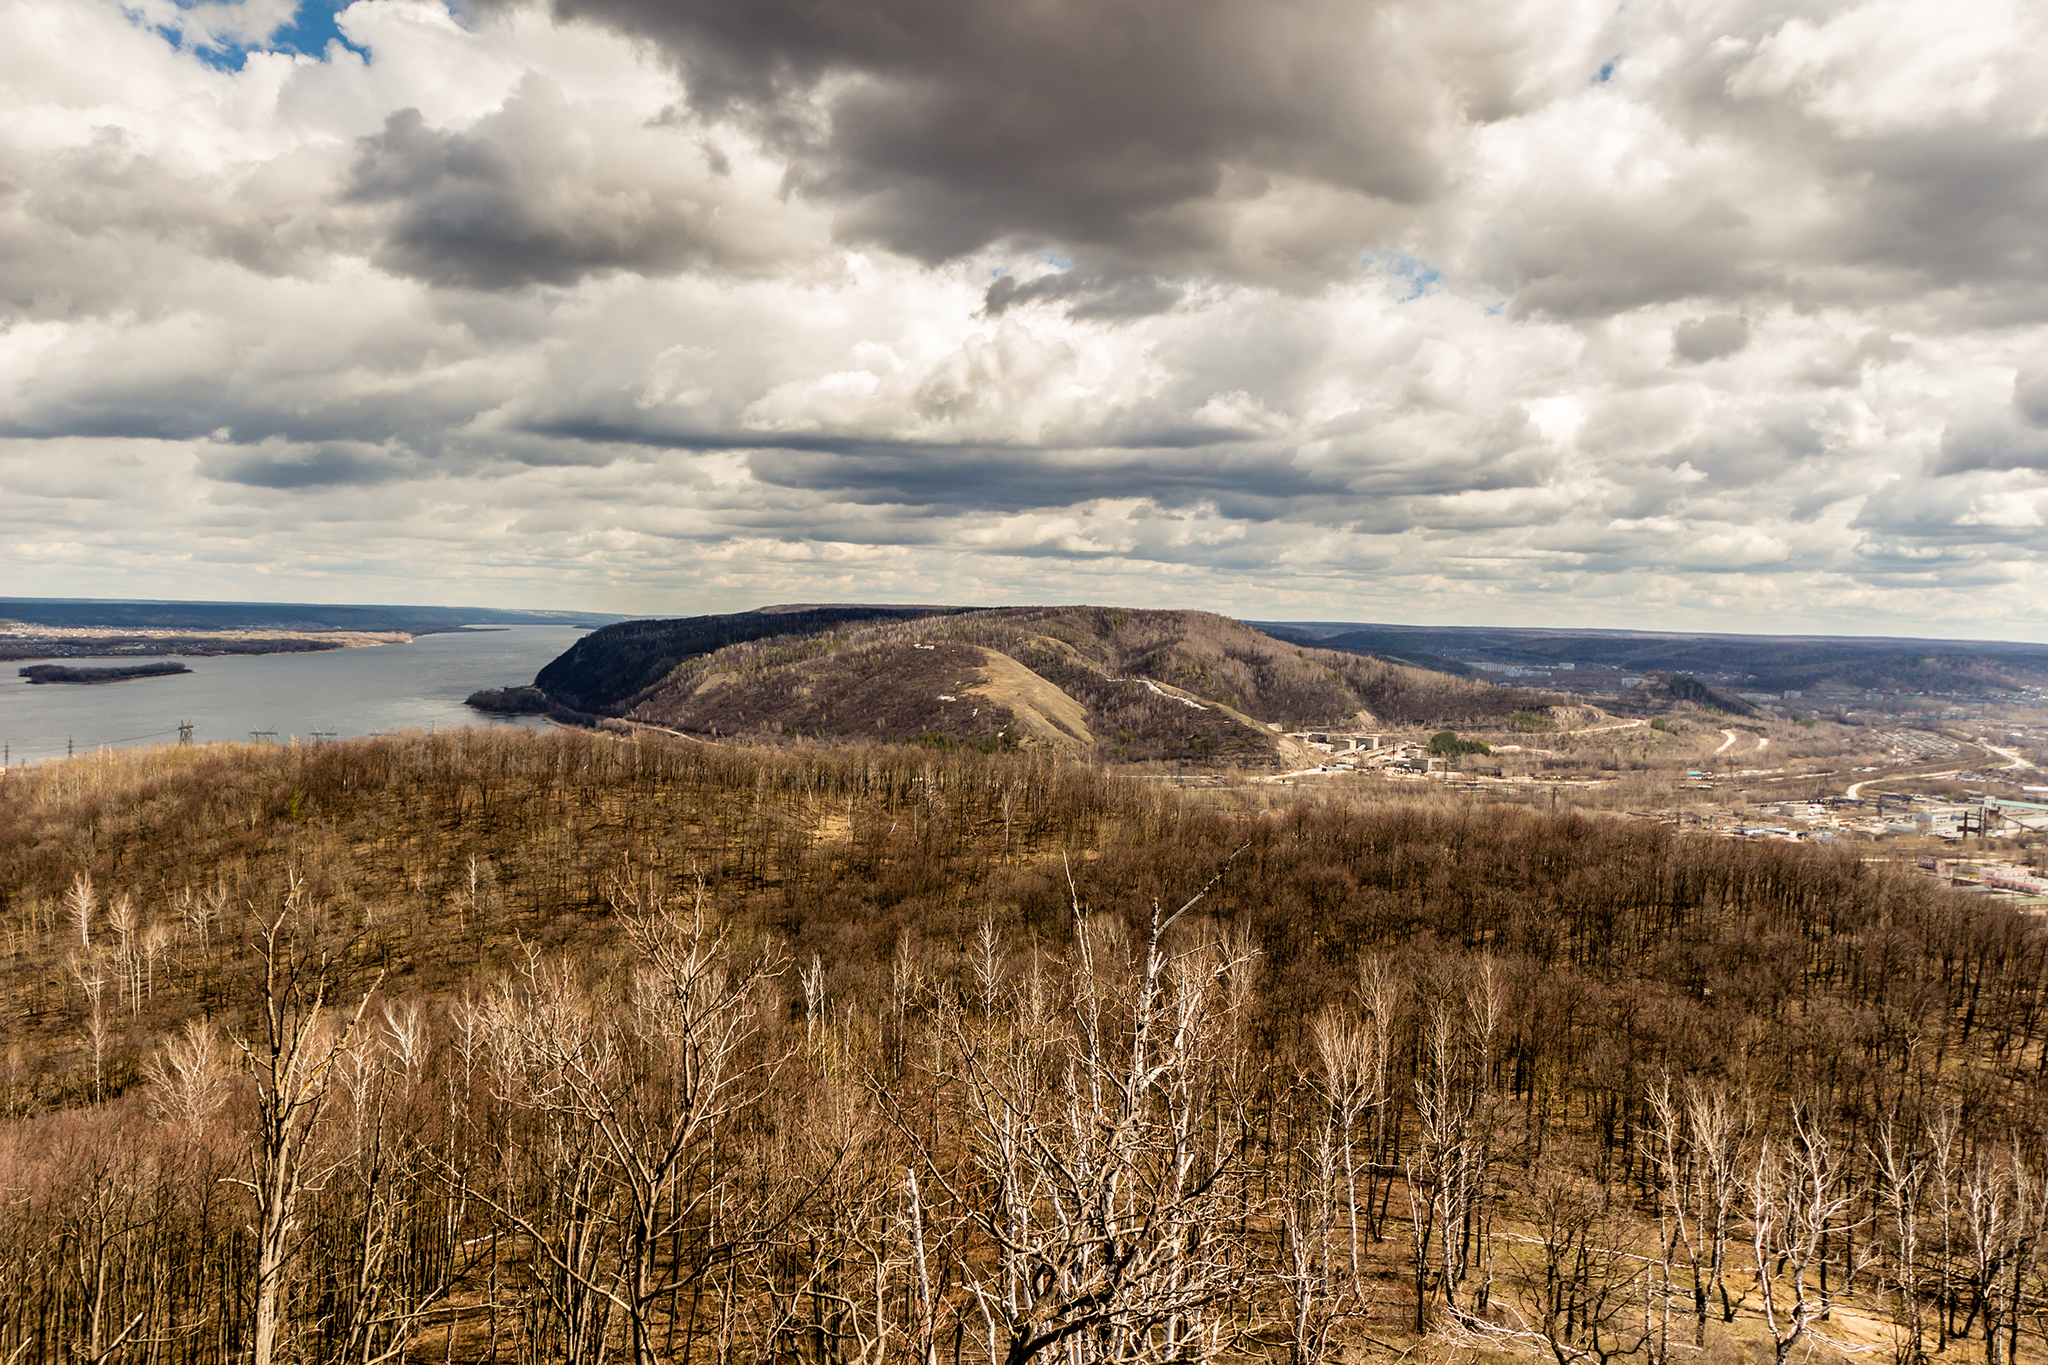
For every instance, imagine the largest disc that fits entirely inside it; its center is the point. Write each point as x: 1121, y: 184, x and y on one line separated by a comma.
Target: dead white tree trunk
x: 1901, y: 1174
x: 291, y: 1061
x: 1798, y: 1199
x: 1105, y: 1151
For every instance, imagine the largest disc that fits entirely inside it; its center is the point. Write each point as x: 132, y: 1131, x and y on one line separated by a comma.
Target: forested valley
x: 501, y: 1046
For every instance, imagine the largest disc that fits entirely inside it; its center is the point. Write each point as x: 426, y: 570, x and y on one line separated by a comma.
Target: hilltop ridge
x: 1117, y: 684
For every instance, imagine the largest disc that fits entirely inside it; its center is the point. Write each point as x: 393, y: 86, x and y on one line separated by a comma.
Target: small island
x: 65, y: 673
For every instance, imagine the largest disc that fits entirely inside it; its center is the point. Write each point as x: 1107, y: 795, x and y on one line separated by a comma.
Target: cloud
x: 543, y: 191
x: 1712, y: 338
x: 1480, y: 312
x: 945, y: 125
x: 1086, y: 293
x: 274, y: 464
x: 1992, y: 444
x: 2030, y: 394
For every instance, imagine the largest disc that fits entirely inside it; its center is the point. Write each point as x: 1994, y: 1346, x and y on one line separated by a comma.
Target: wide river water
x: 339, y: 691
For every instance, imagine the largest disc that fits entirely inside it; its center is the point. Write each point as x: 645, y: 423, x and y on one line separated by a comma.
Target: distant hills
x: 1120, y: 684
x: 1818, y: 664
x: 88, y: 613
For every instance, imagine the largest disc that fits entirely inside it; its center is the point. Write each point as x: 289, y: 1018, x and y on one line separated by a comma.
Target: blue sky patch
x: 311, y: 29
x: 1420, y: 276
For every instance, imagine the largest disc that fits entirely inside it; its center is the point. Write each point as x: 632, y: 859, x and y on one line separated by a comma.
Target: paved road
x: 1929, y: 772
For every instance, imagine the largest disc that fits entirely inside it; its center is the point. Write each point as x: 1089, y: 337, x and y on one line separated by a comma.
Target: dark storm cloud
x: 962, y: 122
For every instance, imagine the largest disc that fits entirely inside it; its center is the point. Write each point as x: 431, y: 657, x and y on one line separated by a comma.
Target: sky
x: 1687, y: 315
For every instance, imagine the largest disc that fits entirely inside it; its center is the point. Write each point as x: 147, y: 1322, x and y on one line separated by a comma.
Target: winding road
x: 1728, y: 742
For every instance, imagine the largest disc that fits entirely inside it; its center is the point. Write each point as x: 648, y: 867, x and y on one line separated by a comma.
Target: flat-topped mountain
x: 1114, y: 683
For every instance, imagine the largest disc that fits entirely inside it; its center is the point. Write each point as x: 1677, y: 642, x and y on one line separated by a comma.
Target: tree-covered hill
x: 1121, y: 684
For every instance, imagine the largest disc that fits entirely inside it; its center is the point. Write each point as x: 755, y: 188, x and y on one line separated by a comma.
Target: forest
x: 499, y: 1045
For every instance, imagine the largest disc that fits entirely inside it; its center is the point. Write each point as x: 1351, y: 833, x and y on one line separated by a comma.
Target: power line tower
x: 184, y: 732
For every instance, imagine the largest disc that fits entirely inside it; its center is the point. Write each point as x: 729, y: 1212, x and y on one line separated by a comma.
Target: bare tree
x: 291, y: 1062
x: 82, y: 903
x: 1574, y: 1290
x: 2002, y: 1209
x: 1798, y: 1199
x: 1902, y: 1172
x: 1450, y: 1176
x: 1322, y: 1189
x: 188, y: 1077
x: 1382, y: 997
x: 1104, y: 1151
x: 90, y: 975
x: 1694, y: 1135
x: 635, y: 1094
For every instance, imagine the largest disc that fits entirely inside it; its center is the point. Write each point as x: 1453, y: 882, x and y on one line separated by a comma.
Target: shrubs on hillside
x: 1446, y: 744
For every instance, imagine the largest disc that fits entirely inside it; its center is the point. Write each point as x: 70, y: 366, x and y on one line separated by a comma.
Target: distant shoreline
x: 40, y: 674
x: 76, y: 642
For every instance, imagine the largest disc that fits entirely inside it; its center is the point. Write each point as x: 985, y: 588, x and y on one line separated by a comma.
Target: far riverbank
x: 330, y: 693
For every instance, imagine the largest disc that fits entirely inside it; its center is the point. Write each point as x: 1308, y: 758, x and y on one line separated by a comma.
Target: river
x: 342, y: 692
